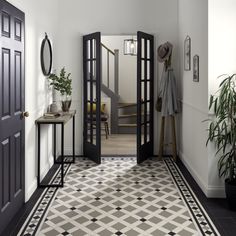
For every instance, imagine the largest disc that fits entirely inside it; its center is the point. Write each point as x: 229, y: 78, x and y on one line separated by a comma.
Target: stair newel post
x: 116, y: 74
x: 114, y: 115
x: 114, y: 105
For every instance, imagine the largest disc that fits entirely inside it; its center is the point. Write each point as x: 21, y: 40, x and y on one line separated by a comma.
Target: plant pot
x: 230, y: 190
x: 65, y: 105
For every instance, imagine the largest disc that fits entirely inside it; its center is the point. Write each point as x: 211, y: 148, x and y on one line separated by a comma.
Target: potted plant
x: 62, y: 83
x: 222, y: 131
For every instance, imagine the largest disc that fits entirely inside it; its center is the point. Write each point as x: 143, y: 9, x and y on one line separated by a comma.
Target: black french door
x: 12, y: 106
x: 92, y: 96
x: 145, y: 82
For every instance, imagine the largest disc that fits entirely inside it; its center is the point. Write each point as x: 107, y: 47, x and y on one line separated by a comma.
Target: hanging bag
x: 159, y: 103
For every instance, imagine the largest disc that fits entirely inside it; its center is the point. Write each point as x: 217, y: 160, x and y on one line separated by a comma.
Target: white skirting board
x: 209, y: 191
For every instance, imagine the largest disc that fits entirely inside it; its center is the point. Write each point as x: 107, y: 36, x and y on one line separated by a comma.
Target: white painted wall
x: 193, y: 21
x: 110, y: 17
x: 222, y: 60
x: 127, y: 67
x: 38, y: 20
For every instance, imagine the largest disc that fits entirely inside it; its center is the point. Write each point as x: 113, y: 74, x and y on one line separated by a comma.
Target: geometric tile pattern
x: 119, y: 197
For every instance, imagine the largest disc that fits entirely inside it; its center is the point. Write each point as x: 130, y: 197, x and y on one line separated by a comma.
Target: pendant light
x: 130, y: 47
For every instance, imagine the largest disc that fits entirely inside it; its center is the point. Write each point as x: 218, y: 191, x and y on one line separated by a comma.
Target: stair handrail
x: 108, y: 49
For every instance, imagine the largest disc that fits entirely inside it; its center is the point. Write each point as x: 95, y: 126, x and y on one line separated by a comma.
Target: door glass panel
x: 142, y: 135
x: 88, y: 91
x: 142, y: 113
x: 88, y: 70
x: 142, y: 48
x: 142, y: 91
x: 148, y: 112
x: 94, y: 48
x: 94, y: 70
x: 88, y: 124
x: 88, y: 49
x: 94, y: 132
x: 148, y: 49
x: 148, y: 70
x: 142, y: 69
x: 94, y: 92
x: 148, y: 132
x: 148, y: 90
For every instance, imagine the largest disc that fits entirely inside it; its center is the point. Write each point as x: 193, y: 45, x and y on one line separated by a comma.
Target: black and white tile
x: 119, y: 197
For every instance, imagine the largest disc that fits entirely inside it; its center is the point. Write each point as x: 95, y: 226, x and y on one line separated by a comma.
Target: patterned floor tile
x: 120, y: 197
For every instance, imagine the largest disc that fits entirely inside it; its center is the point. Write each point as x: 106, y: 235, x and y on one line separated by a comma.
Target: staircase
x: 111, y: 91
x: 123, y: 115
x: 127, y: 118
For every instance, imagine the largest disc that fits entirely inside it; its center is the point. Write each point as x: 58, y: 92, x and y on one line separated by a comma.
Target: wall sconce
x: 130, y: 47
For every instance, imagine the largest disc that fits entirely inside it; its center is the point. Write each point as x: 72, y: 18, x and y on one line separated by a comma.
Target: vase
x: 66, y: 103
x: 53, y: 107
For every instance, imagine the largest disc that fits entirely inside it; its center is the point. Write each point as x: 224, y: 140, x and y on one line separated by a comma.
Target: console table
x: 61, y: 120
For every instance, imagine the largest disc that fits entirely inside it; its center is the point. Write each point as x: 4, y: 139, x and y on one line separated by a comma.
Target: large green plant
x: 222, y: 129
x: 61, y: 83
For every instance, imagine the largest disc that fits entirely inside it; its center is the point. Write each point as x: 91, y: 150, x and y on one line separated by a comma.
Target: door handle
x: 24, y: 114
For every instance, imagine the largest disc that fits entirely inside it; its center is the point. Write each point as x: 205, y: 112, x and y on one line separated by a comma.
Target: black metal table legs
x: 73, y: 138
x: 62, y: 162
x: 56, y: 161
x: 61, y: 158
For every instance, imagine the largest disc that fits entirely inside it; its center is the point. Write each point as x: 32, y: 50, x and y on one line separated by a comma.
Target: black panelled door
x: 12, y: 174
x: 92, y: 96
x: 145, y: 81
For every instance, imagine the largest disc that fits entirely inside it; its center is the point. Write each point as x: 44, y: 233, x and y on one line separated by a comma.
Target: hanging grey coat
x: 168, y: 92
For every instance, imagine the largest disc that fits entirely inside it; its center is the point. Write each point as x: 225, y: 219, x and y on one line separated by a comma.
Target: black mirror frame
x: 46, y: 73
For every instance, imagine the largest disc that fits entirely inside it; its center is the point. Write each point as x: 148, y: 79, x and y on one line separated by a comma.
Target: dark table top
x: 63, y: 119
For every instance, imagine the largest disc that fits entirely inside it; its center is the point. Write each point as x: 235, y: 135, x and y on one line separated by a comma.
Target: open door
x: 92, y: 96
x: 145, y: 82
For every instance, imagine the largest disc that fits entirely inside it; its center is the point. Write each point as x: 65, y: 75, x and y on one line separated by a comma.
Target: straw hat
x: 164, y: 51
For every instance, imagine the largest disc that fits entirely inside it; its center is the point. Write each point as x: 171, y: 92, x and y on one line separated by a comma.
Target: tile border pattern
x: 201, y: 219
x: 38, y: 213
x: 196, y: 210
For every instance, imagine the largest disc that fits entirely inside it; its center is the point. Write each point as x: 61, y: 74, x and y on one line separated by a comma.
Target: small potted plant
x: 62, y: 83
x: 222, y: 131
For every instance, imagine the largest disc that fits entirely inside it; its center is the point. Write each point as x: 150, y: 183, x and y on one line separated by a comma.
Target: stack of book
x: 51, y: 115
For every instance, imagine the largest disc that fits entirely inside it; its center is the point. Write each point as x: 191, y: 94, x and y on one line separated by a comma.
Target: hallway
x: 105, y: 60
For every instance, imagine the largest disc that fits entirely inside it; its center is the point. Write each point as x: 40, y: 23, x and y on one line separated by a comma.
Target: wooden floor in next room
x: 119, y: 144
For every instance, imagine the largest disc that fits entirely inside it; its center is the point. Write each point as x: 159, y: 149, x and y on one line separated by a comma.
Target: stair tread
x: 122, y: 105
x: 130, y: 115
x: 127, y: 115
x: 127, y: 125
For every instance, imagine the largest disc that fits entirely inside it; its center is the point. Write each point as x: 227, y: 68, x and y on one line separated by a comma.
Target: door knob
x: 24, y: 114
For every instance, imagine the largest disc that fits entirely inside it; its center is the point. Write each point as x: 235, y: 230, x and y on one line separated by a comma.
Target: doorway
x: 105, y: 115
x: 12, y: 125
x: 118, y: 96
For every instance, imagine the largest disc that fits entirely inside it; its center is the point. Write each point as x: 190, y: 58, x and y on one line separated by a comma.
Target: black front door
x: 12, y: 174
x: 145, y: 81
x: 92, y: 96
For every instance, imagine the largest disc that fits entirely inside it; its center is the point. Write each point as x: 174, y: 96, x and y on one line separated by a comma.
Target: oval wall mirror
x: 46, y: 56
